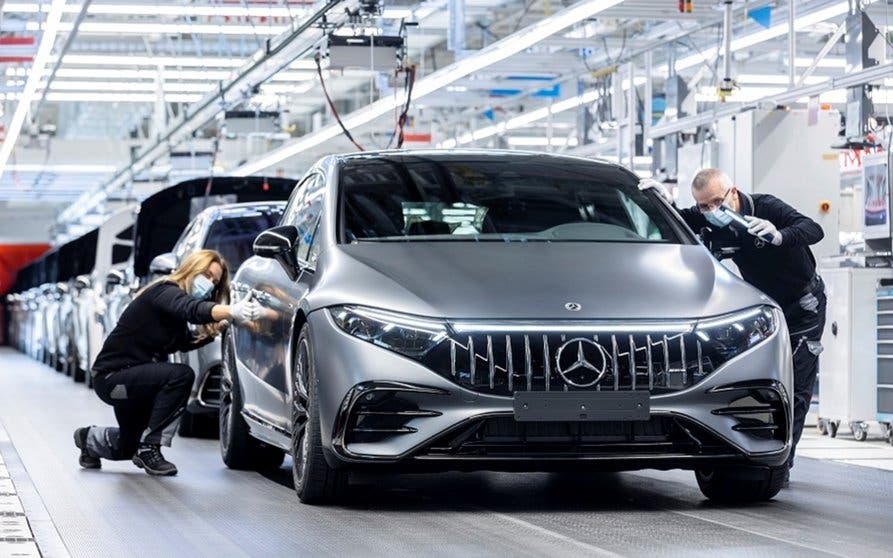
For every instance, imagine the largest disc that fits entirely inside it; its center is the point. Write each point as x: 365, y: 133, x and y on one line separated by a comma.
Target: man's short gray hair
x: 705, y: 176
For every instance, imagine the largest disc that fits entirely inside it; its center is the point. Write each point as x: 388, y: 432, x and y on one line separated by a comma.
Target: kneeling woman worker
x: 132, y: 374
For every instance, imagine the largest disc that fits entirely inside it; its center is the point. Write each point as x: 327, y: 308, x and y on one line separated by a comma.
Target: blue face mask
x: 202, y: 287
x: 718, y: 218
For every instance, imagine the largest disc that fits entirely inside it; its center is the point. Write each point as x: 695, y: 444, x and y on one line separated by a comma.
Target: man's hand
x: 659, y: 188
x: 763, y: 228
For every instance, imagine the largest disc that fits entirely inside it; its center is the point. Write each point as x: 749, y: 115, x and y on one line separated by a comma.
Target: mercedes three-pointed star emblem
x: 589, y: 367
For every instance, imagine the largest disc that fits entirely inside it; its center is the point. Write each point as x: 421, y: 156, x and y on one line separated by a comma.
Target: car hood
x: 532, y: 280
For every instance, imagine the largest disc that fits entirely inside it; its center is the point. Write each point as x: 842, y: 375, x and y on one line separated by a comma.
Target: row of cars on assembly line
x: 474, y: 309
x: 64, y: 304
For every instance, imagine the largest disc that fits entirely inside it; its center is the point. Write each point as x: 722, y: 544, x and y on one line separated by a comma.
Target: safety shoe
x: 86, y: 460
x: 149, y: 458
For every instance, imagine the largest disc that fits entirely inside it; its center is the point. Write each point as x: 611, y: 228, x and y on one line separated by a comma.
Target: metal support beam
x: 861, y: 34
x: 456, y: 31
x: 631, y: 113
x: 65, y: 48
x: 792, y: 44
x: 833, y: 40
x: 854, y: 79
x: 648, y: 100
x: 727, y: 82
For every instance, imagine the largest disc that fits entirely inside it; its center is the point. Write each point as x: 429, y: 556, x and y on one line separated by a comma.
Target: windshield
x: 496, y: 198
x: 233, y: 237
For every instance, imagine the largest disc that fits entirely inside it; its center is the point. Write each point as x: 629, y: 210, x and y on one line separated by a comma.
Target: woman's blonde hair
x: 196, y: 264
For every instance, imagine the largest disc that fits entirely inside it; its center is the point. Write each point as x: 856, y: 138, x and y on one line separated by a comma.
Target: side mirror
x: 163, y: 264
x: 114, y: 277
x: 279, y: 243
x: 82, y: 282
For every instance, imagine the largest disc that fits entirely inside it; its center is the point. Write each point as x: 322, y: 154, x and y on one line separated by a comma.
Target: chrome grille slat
x: 632, y: 361
x: 472, y: 361
x: 547, y: 371
x: 491, y: 361
x: 624, y: 361
x: 614, y: 362
x: 509, y: 365
x: 650, y: 363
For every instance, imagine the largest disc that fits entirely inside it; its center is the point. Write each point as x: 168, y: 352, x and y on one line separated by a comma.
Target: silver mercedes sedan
x: 499, y: 310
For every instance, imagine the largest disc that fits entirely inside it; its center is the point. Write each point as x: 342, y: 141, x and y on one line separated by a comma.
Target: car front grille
x: 502, y: 364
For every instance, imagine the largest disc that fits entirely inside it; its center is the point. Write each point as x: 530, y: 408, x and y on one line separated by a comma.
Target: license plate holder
x: 582, y: 406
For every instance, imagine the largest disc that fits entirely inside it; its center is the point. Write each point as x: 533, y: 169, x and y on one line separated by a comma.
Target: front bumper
x: 436, y: 423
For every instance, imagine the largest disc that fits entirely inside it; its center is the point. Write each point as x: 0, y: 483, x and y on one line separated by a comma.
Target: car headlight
x: 408, y: 335
x: 730, y: 335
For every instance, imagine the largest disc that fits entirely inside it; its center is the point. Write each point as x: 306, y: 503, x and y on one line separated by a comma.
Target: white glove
x: 809, y: 303
x: 246, y: 310
x: 658, y: 187
x: 762, y: 228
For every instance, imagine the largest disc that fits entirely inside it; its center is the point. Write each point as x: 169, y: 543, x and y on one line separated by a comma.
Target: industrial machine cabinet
x: 885, y: 357
x: 848, y: 367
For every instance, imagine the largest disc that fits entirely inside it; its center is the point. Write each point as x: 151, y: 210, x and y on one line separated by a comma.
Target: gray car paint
x: 618, y: 281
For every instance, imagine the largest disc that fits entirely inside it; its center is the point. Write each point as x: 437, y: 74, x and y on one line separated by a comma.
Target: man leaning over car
x: 774, y: 256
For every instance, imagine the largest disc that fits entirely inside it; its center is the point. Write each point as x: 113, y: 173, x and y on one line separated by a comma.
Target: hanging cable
x: 325, y: 91
x: 404, y: 116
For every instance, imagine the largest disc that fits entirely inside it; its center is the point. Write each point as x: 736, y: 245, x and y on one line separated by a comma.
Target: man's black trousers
x: 148, y: 400
x: 805, y: 328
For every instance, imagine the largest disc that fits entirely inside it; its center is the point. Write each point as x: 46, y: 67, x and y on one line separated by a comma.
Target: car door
x: 263, y: 348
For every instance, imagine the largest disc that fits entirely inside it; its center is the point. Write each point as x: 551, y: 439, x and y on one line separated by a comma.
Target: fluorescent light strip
x: 93, y: 97
x: 440, y: 79
x: 167, y: 61
x: 541, y: 141
x: 122, y: 28
x: 23, y: 107
x: 255, y: 11
x: 68, y: 169
x: 207, y: 76
x: 110, y: 86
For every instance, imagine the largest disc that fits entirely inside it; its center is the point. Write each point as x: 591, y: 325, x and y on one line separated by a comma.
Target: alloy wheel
x: 299, y: 412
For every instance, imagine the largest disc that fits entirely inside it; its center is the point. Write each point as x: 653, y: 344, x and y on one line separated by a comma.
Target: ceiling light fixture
x: 38, y: 67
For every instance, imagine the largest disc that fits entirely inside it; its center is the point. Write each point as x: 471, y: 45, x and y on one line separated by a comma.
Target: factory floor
x: 835, y: 506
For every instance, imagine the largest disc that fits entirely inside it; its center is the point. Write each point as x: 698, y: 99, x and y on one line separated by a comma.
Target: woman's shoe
x: 86, y: 460
x: 149, y: 458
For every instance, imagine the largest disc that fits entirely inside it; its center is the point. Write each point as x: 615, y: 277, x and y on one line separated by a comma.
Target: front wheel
x: 315, y: 481
x: 741, y: 484
x: 238, y: 448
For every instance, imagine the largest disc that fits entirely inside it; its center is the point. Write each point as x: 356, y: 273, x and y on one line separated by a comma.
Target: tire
x: 822, y: 426
x: 198, y: 425
x: 238, y: 448
x: 860, y: 433
x: 741, y: 484
x: 315, y: 481
x: 832, y: 429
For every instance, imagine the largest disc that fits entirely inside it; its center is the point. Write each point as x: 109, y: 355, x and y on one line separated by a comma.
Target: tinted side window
x: 294, y: 201
x: 304, y: 211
